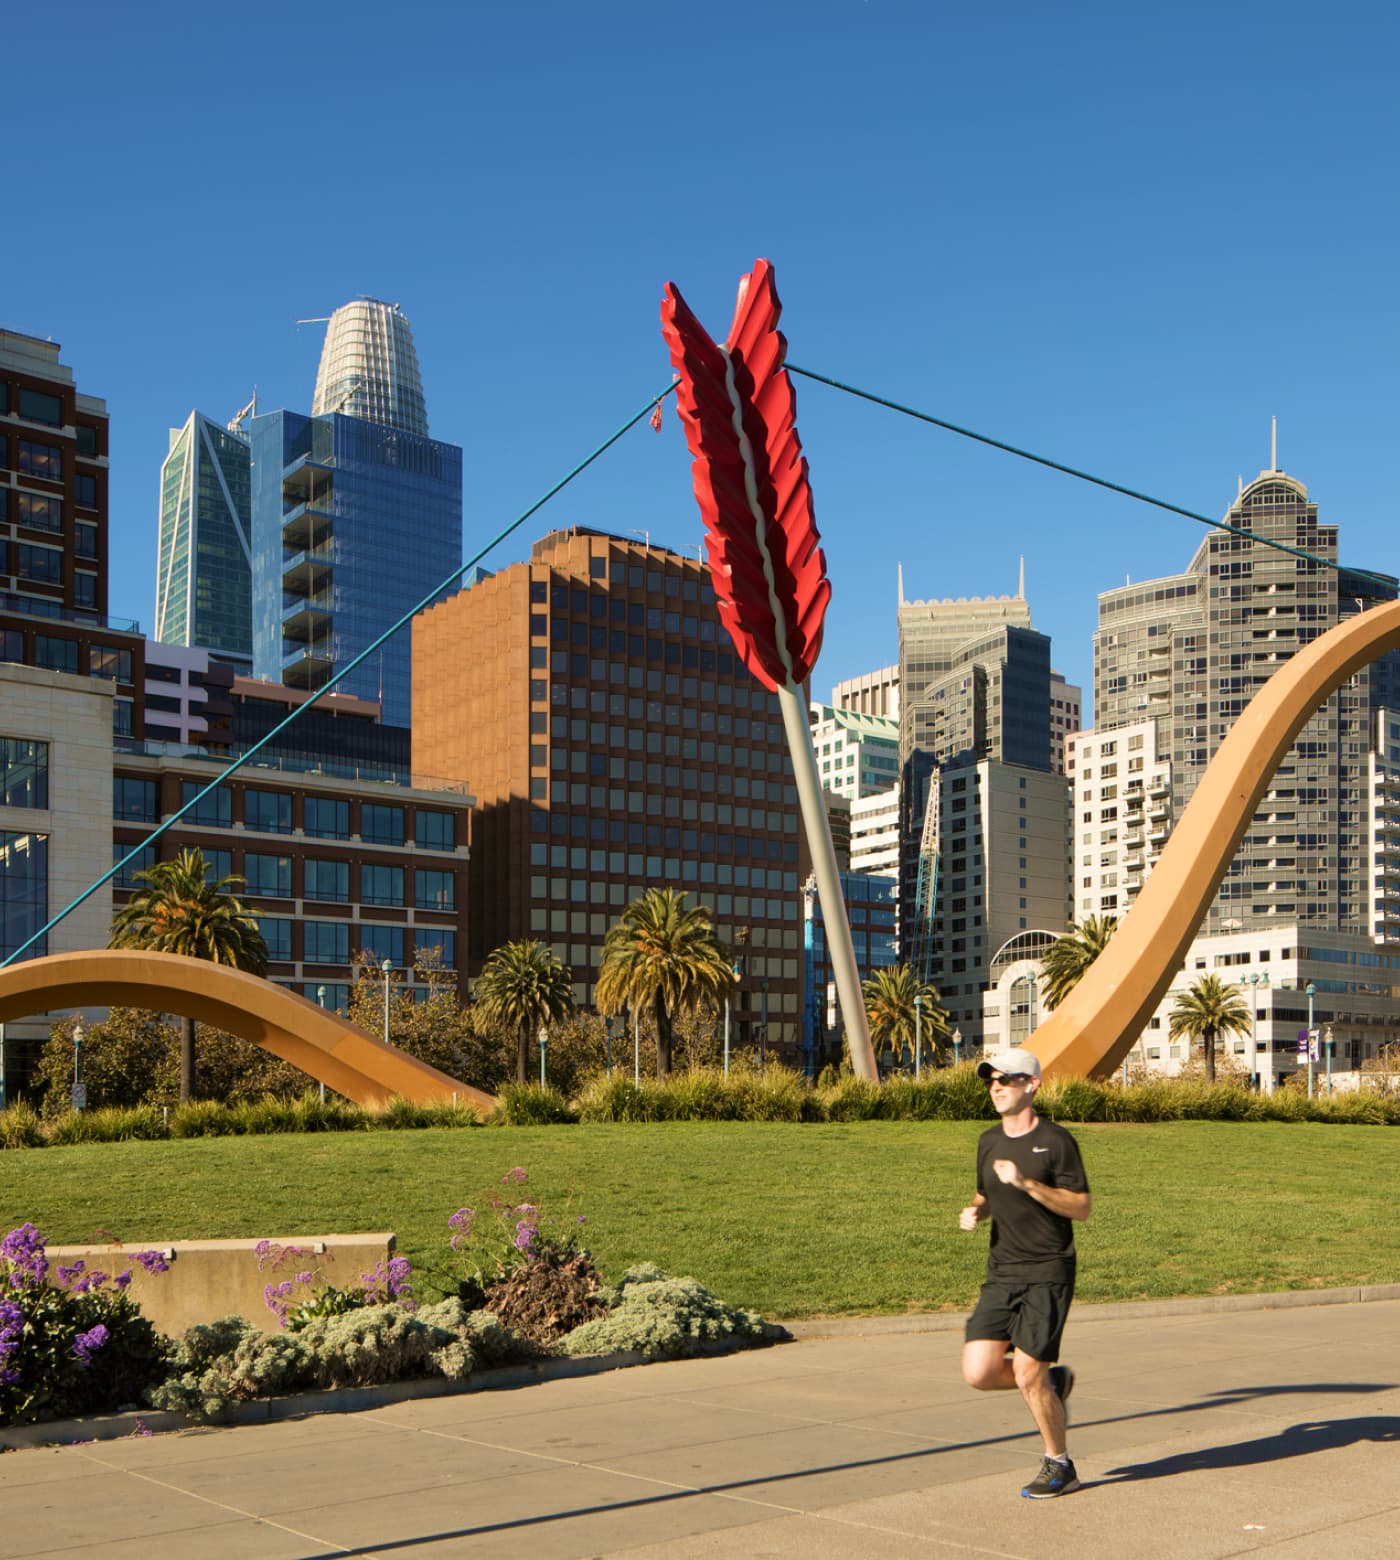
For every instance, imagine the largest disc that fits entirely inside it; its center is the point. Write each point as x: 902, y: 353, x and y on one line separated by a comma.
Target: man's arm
x: 974, y: 1213
x: 1058, y: 1199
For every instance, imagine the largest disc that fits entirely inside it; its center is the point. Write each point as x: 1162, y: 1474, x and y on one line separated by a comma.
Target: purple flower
x: 66, y: 1275
x: 123, y: 1279
x: 85, y: 1345
x: 524, y: 1236
x: 154, y: 1262
x: 303, y: 1278
x: 582, y: 1219
x: 391, y: 1283
x: 90, y: 1281
x: 23, y: 1249
x: 275, y: 1299
x: 518, y: 1176
x: 461, y: 1224
x: 142, y: 1428
x: 526, y: 1209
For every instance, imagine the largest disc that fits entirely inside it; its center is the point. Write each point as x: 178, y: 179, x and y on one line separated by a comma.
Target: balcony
x: 305, y: 618
x: 308, y: 665
x: 307, y: 571
x: 305, y: 479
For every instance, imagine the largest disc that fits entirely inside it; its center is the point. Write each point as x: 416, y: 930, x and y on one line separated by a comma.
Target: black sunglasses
x: 1019, y: 1080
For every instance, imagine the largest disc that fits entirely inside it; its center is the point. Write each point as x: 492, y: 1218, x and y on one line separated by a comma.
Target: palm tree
x: 661, y: 954
x: 1208, y: 1009
x: 180, y: 910
x: 523, y: 985
x: 1068, y: 957
x: 890, y: 1006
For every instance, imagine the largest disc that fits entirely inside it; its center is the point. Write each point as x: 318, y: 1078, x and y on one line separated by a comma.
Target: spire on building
x: 369, y: 368
x: 1021, y: 582
x: 901, y: 584
x: 1273, y: 445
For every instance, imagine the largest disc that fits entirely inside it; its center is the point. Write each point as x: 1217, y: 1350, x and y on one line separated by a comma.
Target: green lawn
x: 790, y: 1220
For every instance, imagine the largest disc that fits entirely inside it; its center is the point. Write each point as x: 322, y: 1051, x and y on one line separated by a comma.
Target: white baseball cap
x: 1014, y: 1061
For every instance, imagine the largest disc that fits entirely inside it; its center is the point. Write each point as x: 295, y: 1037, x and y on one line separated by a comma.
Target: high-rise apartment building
x: 592, y: 702
x: 354, y: 523
x: 369, y: 368
x: 53, y: 487
x: 204, y: 568
x: 1188, y: 653
x: 856, y: 754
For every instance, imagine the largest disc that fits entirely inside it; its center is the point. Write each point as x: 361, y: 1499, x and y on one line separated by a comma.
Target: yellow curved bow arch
x: 324, y: 1045
x: 1096, y: 1025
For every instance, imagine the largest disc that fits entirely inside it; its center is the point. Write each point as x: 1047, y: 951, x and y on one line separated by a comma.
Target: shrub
x: 666, y: 1318
x: 203, y: 1118
x: 777, y: 1094
x: 71, y: 1347
x: 613, y: 1099
x: 853, y: 1099
x: 531, y: 1105
x: 111, y: 1124
x: 1072, y: 1099
x: 548, y: 1296
x: 19, y: 1126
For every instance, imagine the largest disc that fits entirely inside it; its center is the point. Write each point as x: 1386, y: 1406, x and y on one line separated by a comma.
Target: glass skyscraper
x: 354, y: 523
x: 369, y: 368
x: 204, y: 567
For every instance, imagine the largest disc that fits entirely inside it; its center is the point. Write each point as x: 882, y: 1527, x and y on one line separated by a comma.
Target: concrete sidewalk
x: 1271, y: 1432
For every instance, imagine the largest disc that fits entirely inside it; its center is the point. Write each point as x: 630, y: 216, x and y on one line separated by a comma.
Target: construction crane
x: 244, y: 413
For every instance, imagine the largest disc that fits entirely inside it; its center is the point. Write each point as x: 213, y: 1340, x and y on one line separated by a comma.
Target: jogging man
x: 1031, y: 1185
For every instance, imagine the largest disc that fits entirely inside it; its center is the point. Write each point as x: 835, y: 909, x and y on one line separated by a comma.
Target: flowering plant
x: 504, y: 1231
x: 71, y: 1338
x: 388, y: 1283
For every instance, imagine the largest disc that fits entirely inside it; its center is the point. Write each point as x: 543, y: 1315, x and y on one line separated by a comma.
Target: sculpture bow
x: 738, y: 408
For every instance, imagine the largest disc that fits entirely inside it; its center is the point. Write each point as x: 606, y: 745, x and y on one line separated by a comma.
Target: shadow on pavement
x: 1315, y: 1435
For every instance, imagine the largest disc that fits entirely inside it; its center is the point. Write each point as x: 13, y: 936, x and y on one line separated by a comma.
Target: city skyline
x: 1009, y: 224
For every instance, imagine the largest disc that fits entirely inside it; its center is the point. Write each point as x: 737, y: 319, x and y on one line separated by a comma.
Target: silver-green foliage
x: 666, y: 1318
x: 230, y: 1361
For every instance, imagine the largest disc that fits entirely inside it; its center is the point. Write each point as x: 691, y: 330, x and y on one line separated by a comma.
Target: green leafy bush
x: 853, y: 1099
x: 20, y: 1126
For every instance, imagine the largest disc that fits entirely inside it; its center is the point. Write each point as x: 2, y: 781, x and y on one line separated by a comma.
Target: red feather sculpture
x: 768, y: 571
x: 739, y: 411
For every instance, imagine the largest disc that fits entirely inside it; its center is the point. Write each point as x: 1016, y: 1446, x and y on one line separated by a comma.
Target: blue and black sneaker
x: 1054, y: 1478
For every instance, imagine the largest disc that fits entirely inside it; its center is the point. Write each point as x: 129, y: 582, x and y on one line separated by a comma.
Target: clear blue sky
x: 1122, y: 236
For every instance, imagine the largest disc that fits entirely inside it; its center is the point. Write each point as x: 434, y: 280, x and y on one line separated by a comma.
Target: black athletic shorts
x: 1029, y: 1316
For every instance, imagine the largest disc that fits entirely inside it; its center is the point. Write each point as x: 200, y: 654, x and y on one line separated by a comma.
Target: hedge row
x: 949, y: 1094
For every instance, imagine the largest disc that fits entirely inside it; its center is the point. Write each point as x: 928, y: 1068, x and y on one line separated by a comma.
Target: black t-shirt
x: 1029, y: 1243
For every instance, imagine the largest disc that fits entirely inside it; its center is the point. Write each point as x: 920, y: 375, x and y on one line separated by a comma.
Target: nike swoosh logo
x: 1040, y: 1151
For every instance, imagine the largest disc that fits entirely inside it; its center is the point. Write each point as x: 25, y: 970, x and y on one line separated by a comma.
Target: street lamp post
x: 387, y: 968
x: 1312, y: 1036
x: 918, y: 1035
x: 1330, y: 1044
x: 544, y: 1046
x: 957, y: 1047
x: 321, y: 1002
x: 1253, y: 979
x: 79, y: 1094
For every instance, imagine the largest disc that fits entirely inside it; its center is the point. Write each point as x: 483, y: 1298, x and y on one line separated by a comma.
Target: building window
x: 214, y: 811
x: 110, y: 662
x: 269, y: 812
x: 381, y: 885
x: 435, y: 890
x: 433, y: 938
x: 84, y: 589
x: 380, y: 825
x: 57, y: 655
x: 85, y: 491
x: 85, y: 539
x: 87, y: 440
x: 436, y: 830
x: 218, y: 864
x: 41, y: 460
x: 43, y: 564
x: 133, y: 801
x: 268, y: 876
x: 327, y: 880
x: 381, y: 943
x: 327, y: 819
x: 24, y: 891
x: 40, y: 513
x: 24, y: 773
x: 37, y: 406
x: 121, y: 718
x: 277, y: 934
x: 142, y: 861
x: 327, y: 942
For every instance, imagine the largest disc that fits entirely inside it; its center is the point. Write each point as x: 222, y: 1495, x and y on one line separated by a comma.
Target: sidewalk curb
x: 1113, y: 1310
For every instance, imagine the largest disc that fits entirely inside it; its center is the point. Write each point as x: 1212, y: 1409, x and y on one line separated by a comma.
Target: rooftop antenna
x: 901, y: 584
x: 1021, y: 583
x: 1273, y: 445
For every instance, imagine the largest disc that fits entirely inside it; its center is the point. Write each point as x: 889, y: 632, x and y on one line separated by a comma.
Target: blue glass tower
x: 354, y: 523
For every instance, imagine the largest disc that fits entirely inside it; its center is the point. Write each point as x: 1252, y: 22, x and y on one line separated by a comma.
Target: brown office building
x: 592, y: 702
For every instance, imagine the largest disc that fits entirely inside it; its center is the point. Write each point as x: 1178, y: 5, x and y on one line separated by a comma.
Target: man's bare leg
x: 1032, y: 1377
x: 987, y: 1366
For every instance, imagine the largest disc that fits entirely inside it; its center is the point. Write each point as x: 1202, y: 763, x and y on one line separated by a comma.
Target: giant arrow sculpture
x: 769, y: 575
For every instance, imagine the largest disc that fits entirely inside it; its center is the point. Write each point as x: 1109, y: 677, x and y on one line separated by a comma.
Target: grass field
x: 790, y: 1220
